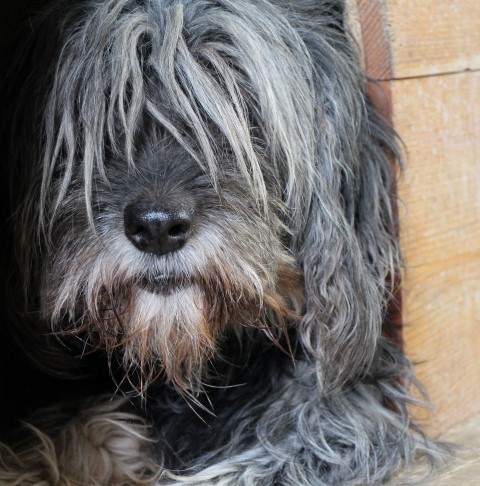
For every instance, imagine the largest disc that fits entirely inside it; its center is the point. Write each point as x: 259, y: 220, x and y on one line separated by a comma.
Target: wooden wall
x: 427, y: 52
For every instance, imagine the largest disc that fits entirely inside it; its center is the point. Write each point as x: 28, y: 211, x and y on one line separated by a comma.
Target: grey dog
x: 201, y: 251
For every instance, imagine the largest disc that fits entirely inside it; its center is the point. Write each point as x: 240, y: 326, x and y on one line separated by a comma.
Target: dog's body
x: 201, y: 211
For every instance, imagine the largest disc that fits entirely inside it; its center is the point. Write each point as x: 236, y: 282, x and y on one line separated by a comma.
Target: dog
x: 200, y: 251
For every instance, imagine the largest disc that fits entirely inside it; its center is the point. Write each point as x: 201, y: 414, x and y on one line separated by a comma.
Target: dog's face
x: 168, y: 261
x: 170, y: 180
x: 217, y: 173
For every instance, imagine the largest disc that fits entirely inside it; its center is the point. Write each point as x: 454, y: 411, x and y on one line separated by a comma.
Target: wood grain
x: 439, y: 120
x: 433, y: 36
x: 376, y: 48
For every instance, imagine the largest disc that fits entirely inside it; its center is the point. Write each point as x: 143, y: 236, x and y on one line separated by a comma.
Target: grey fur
x: 254, y: 112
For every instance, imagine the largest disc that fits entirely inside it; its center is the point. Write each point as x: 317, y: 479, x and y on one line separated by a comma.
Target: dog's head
x: 183, y: 168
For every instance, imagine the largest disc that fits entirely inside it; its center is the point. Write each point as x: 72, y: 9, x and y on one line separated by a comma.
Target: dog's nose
x: 156, y: 229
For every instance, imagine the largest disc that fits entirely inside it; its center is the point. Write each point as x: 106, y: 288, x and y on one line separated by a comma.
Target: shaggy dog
x: 200, y: 251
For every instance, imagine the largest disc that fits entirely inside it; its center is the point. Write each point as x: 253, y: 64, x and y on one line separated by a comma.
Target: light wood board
x: 439, y: 120
x: 433, y: 36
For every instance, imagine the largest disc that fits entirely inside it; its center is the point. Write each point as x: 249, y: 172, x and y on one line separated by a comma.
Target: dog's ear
x: 348, y: 248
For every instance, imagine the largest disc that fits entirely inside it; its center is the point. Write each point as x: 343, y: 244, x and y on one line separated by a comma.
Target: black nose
x: 158, y: 229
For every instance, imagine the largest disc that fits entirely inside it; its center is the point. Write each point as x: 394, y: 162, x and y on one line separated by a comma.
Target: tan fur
x: 101, y: 443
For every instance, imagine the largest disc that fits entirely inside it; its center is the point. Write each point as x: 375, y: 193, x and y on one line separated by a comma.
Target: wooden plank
x: 365, y: 20
x: 433, y: 36
x: 375, y: 41
x: 439, y: 120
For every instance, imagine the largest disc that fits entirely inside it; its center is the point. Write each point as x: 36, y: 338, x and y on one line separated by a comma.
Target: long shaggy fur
x: 257, y: 348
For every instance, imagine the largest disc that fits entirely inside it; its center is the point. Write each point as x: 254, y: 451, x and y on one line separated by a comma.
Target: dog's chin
x: 163, y: 284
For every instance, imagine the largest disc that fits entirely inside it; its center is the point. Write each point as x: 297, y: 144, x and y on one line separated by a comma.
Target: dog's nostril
x: 153, y: 228
x: 178, y: 230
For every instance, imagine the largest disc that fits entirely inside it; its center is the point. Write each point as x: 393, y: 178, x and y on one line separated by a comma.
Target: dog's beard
x: 170, y: 317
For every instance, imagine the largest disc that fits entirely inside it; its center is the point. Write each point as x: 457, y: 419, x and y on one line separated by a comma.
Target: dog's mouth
x: 162, y: 284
